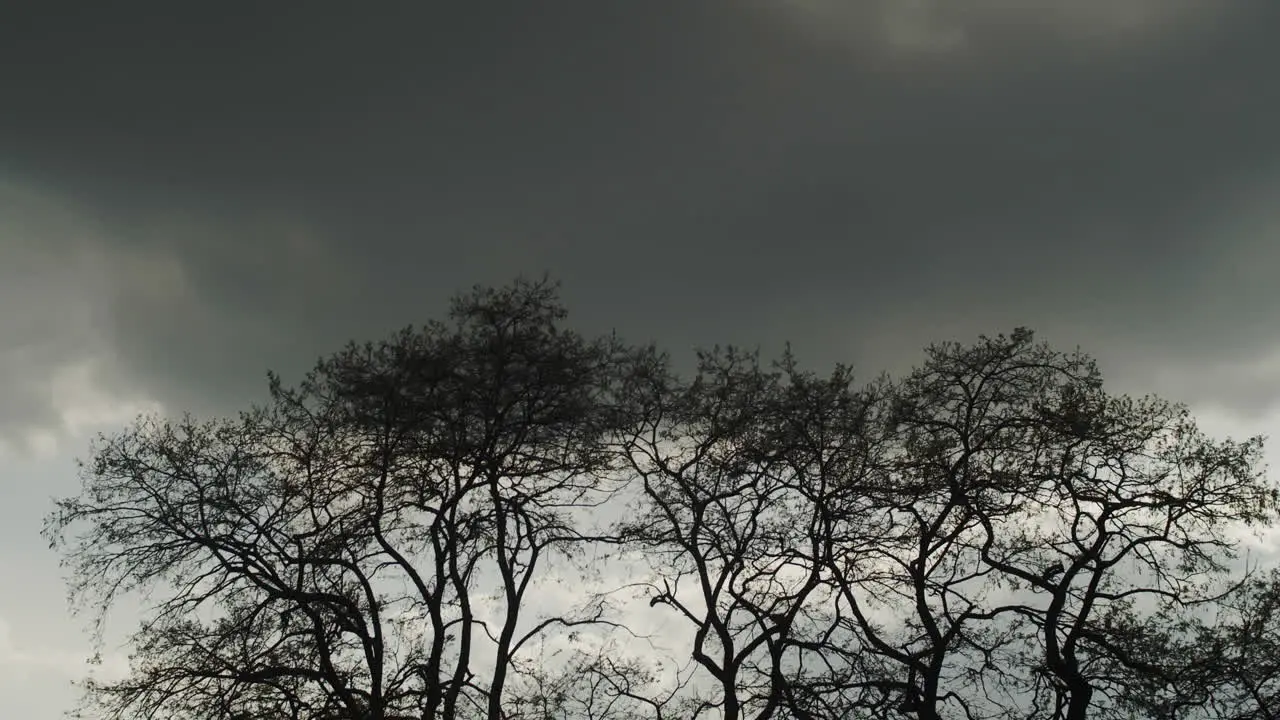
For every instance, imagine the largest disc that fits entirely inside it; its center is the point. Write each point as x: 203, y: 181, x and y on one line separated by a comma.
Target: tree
x: 980, y: 538
x: 1224, y: 667
x: 1092, y: 507
x: 737, y: 470
x: 993, y: 535
x: 324, y: 555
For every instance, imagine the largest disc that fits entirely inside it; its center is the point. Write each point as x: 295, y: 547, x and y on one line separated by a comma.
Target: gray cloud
x: 48, y: 318
x: 969, y: 30
x: 268, y: 186
x: 186, y: 201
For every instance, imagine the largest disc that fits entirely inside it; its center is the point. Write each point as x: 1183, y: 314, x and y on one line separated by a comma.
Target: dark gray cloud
x: 268, y: 182
x: 191, y: 196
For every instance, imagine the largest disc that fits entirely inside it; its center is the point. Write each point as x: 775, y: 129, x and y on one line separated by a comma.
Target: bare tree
x: 1221, y: 665
x: 1092, y: 508
x: 741, y: 468
x: 326, y: 555
x: 993, y: 536
x: 979, y: 539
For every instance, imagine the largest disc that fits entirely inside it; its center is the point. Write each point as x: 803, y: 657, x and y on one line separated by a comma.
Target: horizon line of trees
x: 494, y: 517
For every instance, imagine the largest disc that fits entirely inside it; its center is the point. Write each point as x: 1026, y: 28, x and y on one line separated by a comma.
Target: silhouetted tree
x: 736, y: 468
x: 991, y: 536
x: 1222, y: 665
x: 978, y: 538
x: 328, y: 555
x: 1125, y: 502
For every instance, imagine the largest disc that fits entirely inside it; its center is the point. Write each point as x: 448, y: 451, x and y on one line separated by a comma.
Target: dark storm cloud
x: 275, y: 181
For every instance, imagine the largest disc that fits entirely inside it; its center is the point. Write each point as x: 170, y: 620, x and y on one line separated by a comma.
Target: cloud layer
x: 799, y: 170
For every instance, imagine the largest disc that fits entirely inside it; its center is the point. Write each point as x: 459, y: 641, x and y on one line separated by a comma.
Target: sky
x: 189, y: 197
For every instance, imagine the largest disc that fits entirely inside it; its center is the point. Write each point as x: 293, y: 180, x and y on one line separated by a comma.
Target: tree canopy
x: 493, y: 516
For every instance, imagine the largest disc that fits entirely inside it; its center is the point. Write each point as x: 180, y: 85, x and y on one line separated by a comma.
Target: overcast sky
x: 188, y: 198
